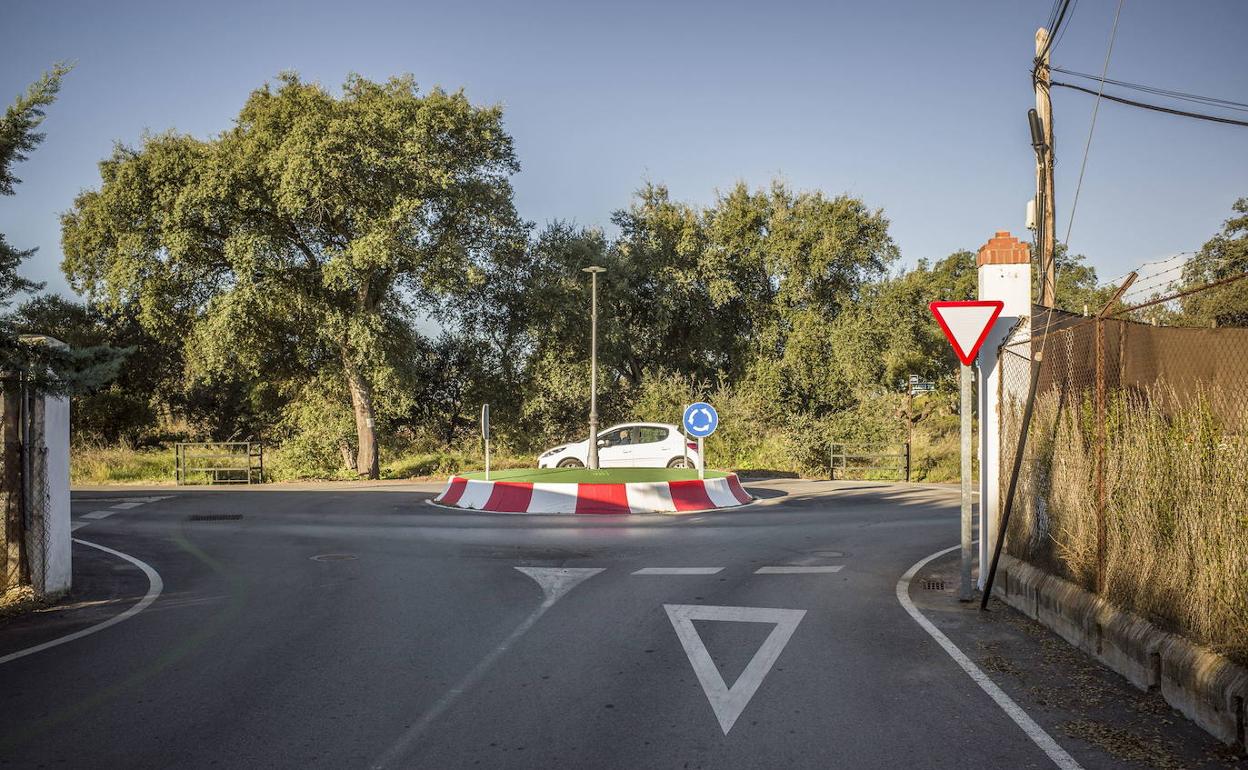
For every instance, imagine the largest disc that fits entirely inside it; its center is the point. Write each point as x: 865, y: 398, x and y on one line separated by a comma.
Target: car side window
x: 615, y: 438
x: 649, y: 435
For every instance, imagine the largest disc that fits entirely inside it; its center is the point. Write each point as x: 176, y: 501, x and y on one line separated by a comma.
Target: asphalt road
x: 352, y: 628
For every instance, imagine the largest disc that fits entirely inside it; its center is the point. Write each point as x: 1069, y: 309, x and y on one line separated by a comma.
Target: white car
x: 633, y: 445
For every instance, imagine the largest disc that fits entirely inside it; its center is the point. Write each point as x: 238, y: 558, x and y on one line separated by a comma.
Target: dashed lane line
x: 119, y: 504
x: 154, y: 586
x: 1015, y: 712
x: 798, y: 570
x: 679, y: 571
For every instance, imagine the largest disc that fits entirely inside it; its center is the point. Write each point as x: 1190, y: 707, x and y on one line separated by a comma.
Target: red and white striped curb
x: 637, y: 497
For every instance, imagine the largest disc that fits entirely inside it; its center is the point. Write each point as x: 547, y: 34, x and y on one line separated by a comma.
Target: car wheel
x: 679, y: 462
x: 570, y: 462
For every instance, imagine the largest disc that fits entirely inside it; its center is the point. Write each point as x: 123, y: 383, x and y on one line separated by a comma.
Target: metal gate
x: 218, y: 462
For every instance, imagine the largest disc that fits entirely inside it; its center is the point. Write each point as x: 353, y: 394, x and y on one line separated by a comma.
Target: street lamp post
x: 593, y: 271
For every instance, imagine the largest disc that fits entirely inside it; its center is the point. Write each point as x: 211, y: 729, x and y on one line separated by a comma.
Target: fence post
x: 1099, y: 327
x: 907, y: 462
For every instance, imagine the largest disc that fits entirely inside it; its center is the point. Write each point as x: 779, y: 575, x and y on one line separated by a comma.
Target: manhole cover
x: 215, y: 517
x: 335, y: 557
x: 934, y: 585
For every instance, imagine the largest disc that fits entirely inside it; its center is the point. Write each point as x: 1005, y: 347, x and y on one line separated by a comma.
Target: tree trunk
x: 366, y: 462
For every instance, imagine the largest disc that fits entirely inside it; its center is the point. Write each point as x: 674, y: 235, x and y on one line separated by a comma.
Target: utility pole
x: 1046, y: 230
x: 593, y: 270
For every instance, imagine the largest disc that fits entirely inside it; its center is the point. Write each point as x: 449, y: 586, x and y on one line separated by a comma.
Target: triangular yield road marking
x: 557, y: 581
x: 728, y: 702
x: 966, y: 324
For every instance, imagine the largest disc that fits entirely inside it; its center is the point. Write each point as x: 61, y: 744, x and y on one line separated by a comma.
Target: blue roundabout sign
x: 701, y: 419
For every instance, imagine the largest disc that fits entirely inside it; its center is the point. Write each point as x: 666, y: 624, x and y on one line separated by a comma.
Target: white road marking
x: 128, y: 505
x: 1034, y: 731
x: 728, y: 702
x: 555, y: 582
x: 679, y: 571
x: 797, y: 570
x: 77, y: 525
x: 154, y: 586
x: 98, y: 514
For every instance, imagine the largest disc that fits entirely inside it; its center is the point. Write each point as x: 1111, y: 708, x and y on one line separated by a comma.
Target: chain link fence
x: 1135, y: 480
x: 24, y: 493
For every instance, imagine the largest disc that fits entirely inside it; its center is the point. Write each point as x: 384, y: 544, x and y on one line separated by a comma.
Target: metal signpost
x: 593, y: 271
x: 700, y: 420
x: 966, y: 325
x: 485, y: 434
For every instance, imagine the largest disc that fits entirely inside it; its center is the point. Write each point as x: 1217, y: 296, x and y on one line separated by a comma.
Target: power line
x: 1154, y: 107
x: 1190, y: 97
x: 1055, y: 24
x: 1074, y: 6
x: 1083, y: 165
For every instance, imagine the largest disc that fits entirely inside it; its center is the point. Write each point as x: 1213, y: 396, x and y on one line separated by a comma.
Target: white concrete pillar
x: 1004, y: 274
x: 48, y: 538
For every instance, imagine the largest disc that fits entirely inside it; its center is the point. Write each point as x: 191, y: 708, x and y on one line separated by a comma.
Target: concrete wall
x: 48, y: 539
x: 52, y: 569
x: 1206, y: 687
x: 1004, y: 274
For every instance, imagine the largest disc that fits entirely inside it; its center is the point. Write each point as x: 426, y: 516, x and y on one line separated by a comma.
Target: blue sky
x: 916, y: 106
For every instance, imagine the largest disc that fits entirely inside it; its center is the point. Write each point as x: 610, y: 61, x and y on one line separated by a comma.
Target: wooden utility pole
x: 1046, y: 235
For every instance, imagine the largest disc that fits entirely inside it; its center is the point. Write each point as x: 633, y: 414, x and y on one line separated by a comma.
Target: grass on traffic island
x: 587, y: 476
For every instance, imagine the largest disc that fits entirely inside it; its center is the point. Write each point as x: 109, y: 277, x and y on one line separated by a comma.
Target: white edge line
x: 1015, y: 712
x: 154, y: 586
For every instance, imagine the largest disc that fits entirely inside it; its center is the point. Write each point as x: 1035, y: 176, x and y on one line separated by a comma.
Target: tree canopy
x: 296, y: 244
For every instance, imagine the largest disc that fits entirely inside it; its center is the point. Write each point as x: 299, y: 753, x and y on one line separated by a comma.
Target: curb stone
x: 1204, y: 686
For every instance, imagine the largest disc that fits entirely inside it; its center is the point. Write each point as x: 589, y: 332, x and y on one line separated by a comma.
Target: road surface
x: 362, y: 627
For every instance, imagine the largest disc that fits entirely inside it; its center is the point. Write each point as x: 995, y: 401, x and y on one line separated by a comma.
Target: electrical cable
x: 1154, y: 107
x: 1197, y: 98
x: 1053, y: 29
x: 1083, y: 166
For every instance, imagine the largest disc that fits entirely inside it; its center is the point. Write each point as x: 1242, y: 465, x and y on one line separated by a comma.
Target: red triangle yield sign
x: 966, y: 324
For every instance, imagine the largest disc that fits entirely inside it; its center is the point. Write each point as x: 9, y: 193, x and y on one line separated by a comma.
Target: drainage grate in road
x: 933, y: 585
x: 215, y: 517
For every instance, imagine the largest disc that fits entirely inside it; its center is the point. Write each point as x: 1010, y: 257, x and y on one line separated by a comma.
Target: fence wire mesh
x: 1135, y: 476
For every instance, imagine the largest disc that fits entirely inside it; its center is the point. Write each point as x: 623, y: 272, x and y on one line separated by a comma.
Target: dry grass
x: 1177, y: 509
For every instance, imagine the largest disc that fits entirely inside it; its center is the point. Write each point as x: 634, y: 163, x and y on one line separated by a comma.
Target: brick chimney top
x: 1004, y: 249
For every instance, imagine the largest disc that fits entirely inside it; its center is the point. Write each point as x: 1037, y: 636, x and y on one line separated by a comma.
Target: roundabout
x: 584, y: 491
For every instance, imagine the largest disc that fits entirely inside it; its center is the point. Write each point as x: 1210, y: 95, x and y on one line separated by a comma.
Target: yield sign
x: 729, y: 702
x: 966, y: 324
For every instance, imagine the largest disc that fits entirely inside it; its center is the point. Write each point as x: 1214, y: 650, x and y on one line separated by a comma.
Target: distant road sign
x: 485, y: 421
x: 701, y: 419
x: 966, y: 324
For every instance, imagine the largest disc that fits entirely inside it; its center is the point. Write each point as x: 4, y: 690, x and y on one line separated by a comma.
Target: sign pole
x: 684, y: 445
x: 485, y: 434
x: 966, y: 323
x: 701, y: 460
x: 965, y: 594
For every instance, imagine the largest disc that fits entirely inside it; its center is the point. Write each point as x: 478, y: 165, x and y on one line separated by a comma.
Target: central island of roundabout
x: 585, y: 491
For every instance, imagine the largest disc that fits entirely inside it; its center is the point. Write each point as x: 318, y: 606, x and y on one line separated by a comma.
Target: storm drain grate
x: 933, y: 585
x: 215, y: 517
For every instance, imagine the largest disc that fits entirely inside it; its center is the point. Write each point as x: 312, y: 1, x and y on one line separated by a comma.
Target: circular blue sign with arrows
x: 701, y: 419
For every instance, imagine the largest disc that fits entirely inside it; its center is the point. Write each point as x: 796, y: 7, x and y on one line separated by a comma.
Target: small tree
x: 294, y: 244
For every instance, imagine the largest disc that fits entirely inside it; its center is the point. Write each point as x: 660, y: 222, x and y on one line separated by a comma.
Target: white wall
x: 57, y: 558
x: 1012, y: 285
